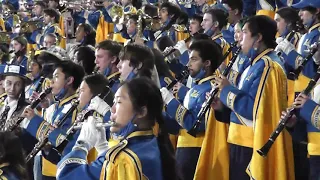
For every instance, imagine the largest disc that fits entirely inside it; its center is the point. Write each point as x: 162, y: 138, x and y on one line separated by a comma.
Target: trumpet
x: 98, y: 125
x: 283, y: 121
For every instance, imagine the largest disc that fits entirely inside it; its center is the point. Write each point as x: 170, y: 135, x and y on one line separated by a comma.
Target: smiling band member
x: 139, y: 155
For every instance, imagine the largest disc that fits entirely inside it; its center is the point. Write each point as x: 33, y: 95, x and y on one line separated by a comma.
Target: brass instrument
x: 5, y: 38
x: 30, y: 26
x: 117, y: 14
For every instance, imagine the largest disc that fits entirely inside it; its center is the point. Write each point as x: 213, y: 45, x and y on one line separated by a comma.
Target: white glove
x: 181, y: 46
x: 167, y: 96
x: 102, y: 143
x: 279, y: 40
x: 285, y: 46
x: 99, y: 105
x: 88, y: 133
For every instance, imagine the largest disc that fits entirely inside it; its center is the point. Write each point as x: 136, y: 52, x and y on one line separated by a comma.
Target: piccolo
x: 283, y: 121
x: 98, y: 125
x: 206, y: 105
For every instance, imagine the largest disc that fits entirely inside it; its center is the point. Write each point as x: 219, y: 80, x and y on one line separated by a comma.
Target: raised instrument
x: 183, y: 75
x: 57, y: 124
x: 33, y: 105
x: 283, y: 121
x: 206, y: 105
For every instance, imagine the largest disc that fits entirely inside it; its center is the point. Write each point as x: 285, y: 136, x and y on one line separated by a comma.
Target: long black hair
x: 85, y: 58
x: 292, y: 18
x: 11, y: 152
x: 162, y: 66
x: 143, y: 92
x: 90, y: 38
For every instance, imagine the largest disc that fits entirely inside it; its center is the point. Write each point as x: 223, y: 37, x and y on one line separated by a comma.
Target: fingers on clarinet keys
x: 99, y: 105
x: 291, y: 121
x: 285, y: 46
x: 28, y: 113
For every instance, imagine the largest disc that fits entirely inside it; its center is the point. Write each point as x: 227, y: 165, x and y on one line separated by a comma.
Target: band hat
x: 16, y: 70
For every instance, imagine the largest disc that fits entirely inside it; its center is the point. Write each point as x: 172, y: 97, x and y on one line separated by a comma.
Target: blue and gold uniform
x: 294, y: 58
x: 242, y: 62
x: 39, y: 126
x: 309, y: 113
x: 117, y: 36
x: 188, y: 147
x: 6, y: 173
x: 135, y: 157
x: 251, y: 123
x: 37, y: 37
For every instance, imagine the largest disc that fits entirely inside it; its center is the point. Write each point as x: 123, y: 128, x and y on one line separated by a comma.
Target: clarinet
x: 40, y: 84
x: 283, y: 121
x: 183, y: 75
x: 33, y: 105
x: 206, y: 105
x: 45, y: 140
x: 171, y: 48
x: 234, y: 44
x: 312, y: 50
x: 82, y: 116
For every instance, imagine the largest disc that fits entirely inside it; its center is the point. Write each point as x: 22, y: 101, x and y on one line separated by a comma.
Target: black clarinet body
x: 206, y: 105
x: 283, y: 121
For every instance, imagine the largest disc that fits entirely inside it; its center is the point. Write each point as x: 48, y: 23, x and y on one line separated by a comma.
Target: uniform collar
x: 113, y: 75
x: 140, y: 133
x: 219, y: 35
x: 260, y: 55
x: 209, y: 78
x: 314, y: 27
x: 67, y: 100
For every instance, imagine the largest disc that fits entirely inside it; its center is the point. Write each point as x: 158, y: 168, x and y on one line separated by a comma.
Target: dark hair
x: 90, y: 38
x: 144, y: 93
x: 4, y: 49
x: 234, y: 4
x: 242, y: 22
x: 52, y: 13
x: 113, y: 47
x: 135, y: 17
x: 291, y: 17
x: 47, y: 62
x: 96, y: 83
x: 86, y: 58
x: 137, y: 54
x: 40, y: 3
x: 183, y: 18
x: 151, y: 10
x: 200, y: 36
x: 197, y: 17
x: 163, y: 42
x: 137, y: 4
x: 265, y: 26
x: 214, y: 55
x: 71, y: 69
x: 218, y: 15
x: 23, y: 41
x: 11, y: 152
x: 172, y: 9
x: 161, y: 65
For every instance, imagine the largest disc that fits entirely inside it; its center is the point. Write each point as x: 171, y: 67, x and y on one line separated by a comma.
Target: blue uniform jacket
x: 186, y: 114
x: 242, y: 62
x: 39, y: 126
x: 140, y: 146
x: 6, y: 173
x: 37, y: 37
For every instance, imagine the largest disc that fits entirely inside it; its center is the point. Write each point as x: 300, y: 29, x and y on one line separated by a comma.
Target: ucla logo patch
x: 230, y: 99
x: 307, y: 43
x: 316, y: 115
x: 194, y: 94
x: 249, y: 77
x: 241, y: 60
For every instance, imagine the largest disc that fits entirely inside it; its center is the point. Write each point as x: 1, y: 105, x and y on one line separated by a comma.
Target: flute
x: 98, y: 125
x: 283, y: 121
x: 206, y: 105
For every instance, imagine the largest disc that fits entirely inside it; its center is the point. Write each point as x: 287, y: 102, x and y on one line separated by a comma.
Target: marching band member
x: 11, y: 18
x: 195, y: 24
x: 51, y: 20
x: 50, y: 44
x: 165, y: 76
x: 138, y: 105
x: 66, y: 80
x: 107, y: 58
x: 85, y: 36
x: 261, y: 84
x: 19, y: 45
x: 234, y: 8
x: 213, y: 22
x: 202, y: 6
x: 168, y: 14
x: 85, y: 57
x: 37, y: 10
x: 12, y: 163
x: 310, y: 15
x: 202, y: 65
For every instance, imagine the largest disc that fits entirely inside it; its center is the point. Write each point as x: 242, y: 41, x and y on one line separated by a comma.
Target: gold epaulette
x: 115, y: 150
